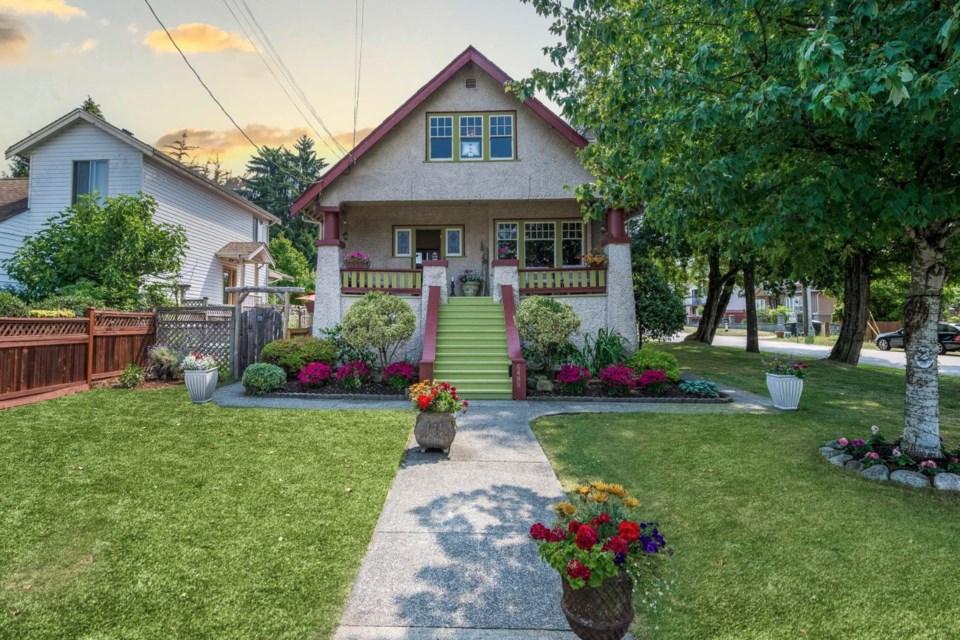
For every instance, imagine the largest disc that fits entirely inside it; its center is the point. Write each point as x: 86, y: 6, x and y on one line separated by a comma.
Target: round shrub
x: 262, y: 377
x: 647, y: 359
x: 11, y: 306
x: 381, y: 322
x: 294, y: 354
x: 315, y: 374
x: 132, y: 376
x: 546, y: 325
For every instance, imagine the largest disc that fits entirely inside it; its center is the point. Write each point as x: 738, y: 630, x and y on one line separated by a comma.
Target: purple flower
x: 896, y: 452
x: 857, y: 442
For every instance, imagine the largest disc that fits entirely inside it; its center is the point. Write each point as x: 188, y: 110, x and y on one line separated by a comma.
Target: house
x: 80, y: 153
x: 465, y: 177
x: 821, y: 304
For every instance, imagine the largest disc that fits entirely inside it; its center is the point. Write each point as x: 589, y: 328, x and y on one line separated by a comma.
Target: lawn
x: 135, y: 514
x: 771, y: 542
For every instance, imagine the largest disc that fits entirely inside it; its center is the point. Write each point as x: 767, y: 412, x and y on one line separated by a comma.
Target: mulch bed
x: 334, y: 388
x: 597, y: 393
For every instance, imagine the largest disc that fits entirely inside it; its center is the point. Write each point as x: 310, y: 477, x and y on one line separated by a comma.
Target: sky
x: 53, y: 53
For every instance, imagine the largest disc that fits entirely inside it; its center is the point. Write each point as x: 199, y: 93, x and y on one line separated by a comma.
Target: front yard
x: 135, y: 514
x: 770, y: 541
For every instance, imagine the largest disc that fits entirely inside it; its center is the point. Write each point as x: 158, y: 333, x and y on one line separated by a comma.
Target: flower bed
x: 620, y: 383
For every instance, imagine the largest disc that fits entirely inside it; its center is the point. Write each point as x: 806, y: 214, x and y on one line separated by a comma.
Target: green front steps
x: 472, y: 349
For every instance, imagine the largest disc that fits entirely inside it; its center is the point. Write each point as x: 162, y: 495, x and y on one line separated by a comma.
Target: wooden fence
x: 43, y: 358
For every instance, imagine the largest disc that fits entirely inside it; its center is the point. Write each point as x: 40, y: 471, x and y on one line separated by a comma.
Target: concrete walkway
x: 450, y: 558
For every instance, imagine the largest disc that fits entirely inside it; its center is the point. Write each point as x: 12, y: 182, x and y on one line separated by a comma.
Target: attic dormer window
x: 471, y: 137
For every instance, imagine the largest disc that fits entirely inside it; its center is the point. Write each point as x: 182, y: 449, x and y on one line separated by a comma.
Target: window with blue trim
x: 441, y: 137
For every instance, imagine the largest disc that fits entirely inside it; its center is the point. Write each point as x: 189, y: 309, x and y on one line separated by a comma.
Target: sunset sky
x: 55, y: 52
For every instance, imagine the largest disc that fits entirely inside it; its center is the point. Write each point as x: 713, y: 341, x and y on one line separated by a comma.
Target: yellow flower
x: 617, y: 490
x: 598, y: 485
x: 584, y: 490
x: 565, y: 508
x: 599, y: 496
x: 633, y: 503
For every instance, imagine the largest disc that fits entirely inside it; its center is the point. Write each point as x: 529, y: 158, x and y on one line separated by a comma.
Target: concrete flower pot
x: 471, y: 288
x: 785, y: 391
x: 435, y: 430
x: 201, y: 384
x: 599, y: 613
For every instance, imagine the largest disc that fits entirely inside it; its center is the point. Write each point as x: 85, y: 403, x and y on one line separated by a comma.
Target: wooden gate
x: 258, y: 327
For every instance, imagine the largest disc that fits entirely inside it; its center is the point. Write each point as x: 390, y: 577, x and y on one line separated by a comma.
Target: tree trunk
x: 750, y: 299
x: 856, y: 308
x: 719, y: 290
x: 921, y: 314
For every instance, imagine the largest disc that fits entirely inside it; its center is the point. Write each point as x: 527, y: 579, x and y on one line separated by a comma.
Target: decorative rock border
x: 837, y: 457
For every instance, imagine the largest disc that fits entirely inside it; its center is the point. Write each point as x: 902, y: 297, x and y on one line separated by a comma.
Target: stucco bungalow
x: 464, y: 176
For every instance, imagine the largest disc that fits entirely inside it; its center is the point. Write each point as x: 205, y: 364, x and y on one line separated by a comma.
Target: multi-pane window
x: 571, y: 248
x: 441, y: 138
x: 90, y: 176
x: 508, y: 240
x: 539, y: 244
x: 471, y: 137
x: 501, y: 137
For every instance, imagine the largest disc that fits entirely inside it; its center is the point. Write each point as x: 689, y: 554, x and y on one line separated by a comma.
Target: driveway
x: 949, y: 364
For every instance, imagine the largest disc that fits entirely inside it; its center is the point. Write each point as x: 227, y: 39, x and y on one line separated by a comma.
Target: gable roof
x: 13, y: 197
x: 469, y: 55
x: 79, y: 115
x: 246, y: 252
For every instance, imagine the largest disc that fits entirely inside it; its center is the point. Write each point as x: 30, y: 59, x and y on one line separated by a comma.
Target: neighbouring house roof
x: 13, y: 197
x: 468, y: 56
x: 246, y: 252
x: 23, y: 148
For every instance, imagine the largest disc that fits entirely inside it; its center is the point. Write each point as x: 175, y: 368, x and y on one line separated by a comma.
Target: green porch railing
x: 563, y: 281
x: 400, y: 281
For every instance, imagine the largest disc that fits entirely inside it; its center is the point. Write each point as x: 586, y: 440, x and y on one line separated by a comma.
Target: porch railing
x: 566, y: 280
x: 402, y: 281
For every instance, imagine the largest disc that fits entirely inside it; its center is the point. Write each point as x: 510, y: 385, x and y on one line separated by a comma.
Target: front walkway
x: 450, y: 557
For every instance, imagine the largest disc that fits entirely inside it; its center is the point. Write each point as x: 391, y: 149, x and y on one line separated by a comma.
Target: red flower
x: 603, y: 518
x: 466, y: 404
x: 539, y: 532
x: 424, y: 402
x: 629, y: 530
x: 586, y: 537
x: 617, y: 544
x: 578, y: 570
x: 573, y: 526
x: 557, y: 535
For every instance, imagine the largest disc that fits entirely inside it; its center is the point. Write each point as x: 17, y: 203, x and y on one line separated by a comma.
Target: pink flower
x: 843, y: 442
x: 873, y: 455
x: 928, y: 464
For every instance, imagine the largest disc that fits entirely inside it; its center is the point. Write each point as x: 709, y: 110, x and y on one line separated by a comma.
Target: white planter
x: 201, y: 384
x: 785, y: 391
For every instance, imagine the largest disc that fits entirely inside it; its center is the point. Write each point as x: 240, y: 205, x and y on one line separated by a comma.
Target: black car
x: 948, y: 339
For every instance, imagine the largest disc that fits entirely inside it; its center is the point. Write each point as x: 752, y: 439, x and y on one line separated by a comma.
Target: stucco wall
x: 592, y: 311
x: 395, y: 169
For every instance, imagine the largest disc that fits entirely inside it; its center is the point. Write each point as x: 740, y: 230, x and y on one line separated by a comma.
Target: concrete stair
x: 472, y: 349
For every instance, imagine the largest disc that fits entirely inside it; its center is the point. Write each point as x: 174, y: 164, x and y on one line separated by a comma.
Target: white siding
x: 209, y: 221
x: 12, y: 232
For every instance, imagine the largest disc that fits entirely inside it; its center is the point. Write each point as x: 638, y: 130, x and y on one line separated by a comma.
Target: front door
x: 229, y: 280
x: 428, y: 245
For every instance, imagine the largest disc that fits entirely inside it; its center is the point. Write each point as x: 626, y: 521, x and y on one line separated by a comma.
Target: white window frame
x: 396, y: 242
x: 446, y: 241
x: 75, y: 196
x: 513, y: 137
x: 431, y: 137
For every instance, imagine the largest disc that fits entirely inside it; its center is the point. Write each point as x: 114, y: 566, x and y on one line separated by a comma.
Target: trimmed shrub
x: 132, y: 376
x: 262, y: 377
x: 52, y: 313
x: 296, y: 353
x: 11, y: 306
x: 647, y: 359
x: 78, y: 303
x: 546, y: 325
x: 315, y: 374
x: 381, y: 322
x: 163, y: 362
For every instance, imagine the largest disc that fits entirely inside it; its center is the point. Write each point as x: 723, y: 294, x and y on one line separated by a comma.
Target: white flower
x: 874, y: 429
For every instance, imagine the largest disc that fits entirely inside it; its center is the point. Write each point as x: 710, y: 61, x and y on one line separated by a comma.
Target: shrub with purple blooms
x: 618, y: 379
x: 353, y: 374
x: 573, y: 379
x: 400, y: 375
x: 653, y: 381
x: 315, y: 374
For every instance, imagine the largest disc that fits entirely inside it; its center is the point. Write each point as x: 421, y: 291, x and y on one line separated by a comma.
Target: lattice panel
x: 111, y: 321
x: 184, y: 334
x: 43, y: 327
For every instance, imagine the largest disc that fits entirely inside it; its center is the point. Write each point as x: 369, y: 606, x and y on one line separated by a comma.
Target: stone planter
x: 471, y: 288
x: 599, y: 613
x: 357, y: 265
x: 201, y: 384
x: 785, y: 391
x: 435, y: 430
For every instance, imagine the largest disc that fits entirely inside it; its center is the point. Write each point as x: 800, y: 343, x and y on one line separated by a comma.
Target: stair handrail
x: 518, y: 366
x: 430, y: 334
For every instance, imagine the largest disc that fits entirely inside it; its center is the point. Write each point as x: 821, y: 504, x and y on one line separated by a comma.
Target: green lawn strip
x: 770, y: 541
x: 136, y: 514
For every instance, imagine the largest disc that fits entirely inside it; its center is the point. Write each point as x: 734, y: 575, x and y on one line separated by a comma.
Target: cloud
x: 14, y: 39
x: 197, y: 37
x: 86, y: 46
x: 132, y: 28
x: 58, y: 8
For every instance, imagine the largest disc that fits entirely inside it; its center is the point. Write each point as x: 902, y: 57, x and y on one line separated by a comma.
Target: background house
x: 80, y: 153
x: 822, y: 305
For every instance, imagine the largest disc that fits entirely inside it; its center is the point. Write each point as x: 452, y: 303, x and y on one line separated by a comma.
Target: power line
x: 357, y: 61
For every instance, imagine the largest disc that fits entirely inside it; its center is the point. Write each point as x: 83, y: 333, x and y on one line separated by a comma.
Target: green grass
x: 135, y: 514
x: 770, y: 541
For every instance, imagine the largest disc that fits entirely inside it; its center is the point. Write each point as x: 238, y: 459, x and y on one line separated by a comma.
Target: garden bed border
x: 723, y: 399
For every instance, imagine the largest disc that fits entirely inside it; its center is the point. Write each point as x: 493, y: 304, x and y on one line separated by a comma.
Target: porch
x: 534, y: 281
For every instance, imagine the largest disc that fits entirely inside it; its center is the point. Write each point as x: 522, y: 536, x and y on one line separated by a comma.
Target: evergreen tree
x: 92, y: 108
x: 19, y: 168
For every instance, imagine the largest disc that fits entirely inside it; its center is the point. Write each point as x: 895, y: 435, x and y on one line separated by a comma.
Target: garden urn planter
x: 599, y: 613
x: 201, y: 384
x: 435, y: 430
x: 471, y: 288
x: 785, y: 391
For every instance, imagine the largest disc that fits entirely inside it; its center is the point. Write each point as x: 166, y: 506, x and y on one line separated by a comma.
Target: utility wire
x: 357, y: 61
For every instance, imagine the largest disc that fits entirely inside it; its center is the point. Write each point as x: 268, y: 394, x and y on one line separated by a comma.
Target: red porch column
x: 331, y: 227
x: 616, y: 228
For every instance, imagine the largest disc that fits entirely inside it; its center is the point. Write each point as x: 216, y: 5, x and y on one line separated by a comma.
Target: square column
x: 434, y: 275
x: 505, y: 272
x: 621, y: 304
x: 326, y: 305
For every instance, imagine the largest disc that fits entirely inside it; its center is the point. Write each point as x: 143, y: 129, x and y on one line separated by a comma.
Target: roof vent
x: 471, y: 83
x: 129, y: 133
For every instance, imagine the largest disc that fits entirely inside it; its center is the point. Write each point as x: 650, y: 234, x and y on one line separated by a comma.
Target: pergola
x: 242, y: 293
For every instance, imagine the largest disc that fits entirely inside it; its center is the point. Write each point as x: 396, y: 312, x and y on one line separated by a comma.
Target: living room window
x: 541, y: 244
x: 90, y: 176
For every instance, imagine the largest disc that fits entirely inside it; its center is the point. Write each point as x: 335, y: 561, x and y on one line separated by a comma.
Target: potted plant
x: 471, y: 282
x: 437, y: 404
x: 200, y: 373
x: 785, y: 381
x: 600, y: 550
x: 357, y: 260
x: 595, y: 260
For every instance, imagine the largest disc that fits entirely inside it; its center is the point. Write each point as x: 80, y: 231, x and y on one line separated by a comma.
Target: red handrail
x: 518, y: 366
x: 430, y: 334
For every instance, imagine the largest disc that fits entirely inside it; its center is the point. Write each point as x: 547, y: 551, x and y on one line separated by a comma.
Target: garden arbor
x: 240, y: 294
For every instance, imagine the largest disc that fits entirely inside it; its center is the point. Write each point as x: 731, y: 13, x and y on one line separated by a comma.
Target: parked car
x: 948, y: 339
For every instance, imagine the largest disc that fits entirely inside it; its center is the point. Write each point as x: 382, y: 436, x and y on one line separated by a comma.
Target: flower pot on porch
x: 435, y: 430
x: 471, y: 288
x: 201, y: 384
x: 785, y: 391
x: 599, y: 613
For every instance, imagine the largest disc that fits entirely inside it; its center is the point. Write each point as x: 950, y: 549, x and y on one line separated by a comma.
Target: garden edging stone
x: 910, y: 478
x: 840, y: 460
x: 947, y: 481
x: 876, y: 472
